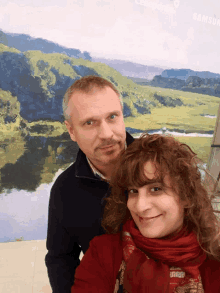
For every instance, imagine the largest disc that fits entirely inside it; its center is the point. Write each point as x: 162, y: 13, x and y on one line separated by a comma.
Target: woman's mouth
x: 148, y: 219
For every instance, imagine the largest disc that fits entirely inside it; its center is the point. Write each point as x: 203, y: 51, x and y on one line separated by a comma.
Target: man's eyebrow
x: 96, y: 117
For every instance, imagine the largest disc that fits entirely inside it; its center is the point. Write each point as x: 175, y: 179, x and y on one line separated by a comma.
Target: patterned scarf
x: 166, y: 265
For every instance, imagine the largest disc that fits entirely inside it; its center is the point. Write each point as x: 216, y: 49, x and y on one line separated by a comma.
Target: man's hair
x: 177, y: 160
x: 86, y: 85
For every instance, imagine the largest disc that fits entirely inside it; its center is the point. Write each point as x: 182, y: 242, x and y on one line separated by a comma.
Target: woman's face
x: 155, y: 208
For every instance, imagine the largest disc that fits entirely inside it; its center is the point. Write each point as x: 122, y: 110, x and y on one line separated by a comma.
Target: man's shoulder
x: 67, y: 176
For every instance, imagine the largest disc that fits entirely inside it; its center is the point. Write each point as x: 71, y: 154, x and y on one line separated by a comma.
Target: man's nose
x: 105, y: 131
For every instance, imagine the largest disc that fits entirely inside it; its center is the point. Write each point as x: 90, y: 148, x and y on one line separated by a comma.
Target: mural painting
x: 162, y: 55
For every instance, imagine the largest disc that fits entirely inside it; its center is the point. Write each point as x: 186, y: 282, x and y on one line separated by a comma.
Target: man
x: 94, y: 118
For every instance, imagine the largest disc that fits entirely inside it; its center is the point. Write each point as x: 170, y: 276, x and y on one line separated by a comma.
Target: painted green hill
x: 4, y: 48
x: 11, y: 123
x: 39, y: 81
x: 9, y: 107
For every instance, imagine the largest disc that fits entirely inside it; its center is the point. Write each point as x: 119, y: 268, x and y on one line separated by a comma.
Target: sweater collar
x: 96, y: 171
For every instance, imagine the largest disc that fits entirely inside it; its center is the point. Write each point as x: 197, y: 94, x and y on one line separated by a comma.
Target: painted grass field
x: 172, y: 118
x: 182, y: 118
x: 198, y: 113
x: 200, y: 145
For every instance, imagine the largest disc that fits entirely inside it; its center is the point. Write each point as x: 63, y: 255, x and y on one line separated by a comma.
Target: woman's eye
x: 132, y: 191
x: 156, y: 189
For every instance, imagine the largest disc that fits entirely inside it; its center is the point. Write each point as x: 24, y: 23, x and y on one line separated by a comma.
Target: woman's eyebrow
x: 153, y: 182
x: 148, y: 182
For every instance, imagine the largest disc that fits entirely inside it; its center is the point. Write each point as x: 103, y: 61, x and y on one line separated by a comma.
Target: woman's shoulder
x: 110, y: 239
x: 107, y: 249
x: 107, y: 243
x: 211, y: 264
x: 210, y: 274
x: 210, y: 260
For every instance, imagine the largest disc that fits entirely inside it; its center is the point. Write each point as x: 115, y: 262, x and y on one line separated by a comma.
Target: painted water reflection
x: 26, y: 182
x: 39, y: 160
x: 29, y: 166
x: 24, y: 213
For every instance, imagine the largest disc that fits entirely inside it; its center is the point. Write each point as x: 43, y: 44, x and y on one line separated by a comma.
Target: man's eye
x: 112, y: 116
x: 89, y: 122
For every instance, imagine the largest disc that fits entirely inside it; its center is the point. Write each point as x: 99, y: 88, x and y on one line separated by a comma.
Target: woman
x: 164, y: 234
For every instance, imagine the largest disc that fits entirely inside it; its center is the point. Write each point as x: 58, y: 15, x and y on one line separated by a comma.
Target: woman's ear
x: 186, y: 204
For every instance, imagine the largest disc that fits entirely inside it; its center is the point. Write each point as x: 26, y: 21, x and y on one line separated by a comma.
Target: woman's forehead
x: 153, y: 172
x: 142, y: 174
x: 150, y: 170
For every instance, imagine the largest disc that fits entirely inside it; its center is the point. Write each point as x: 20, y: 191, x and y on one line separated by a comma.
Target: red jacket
x: 99, y: 267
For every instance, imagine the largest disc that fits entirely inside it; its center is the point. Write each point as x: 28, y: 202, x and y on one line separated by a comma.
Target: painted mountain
x: 203, y: 82
x: 24, y: 42
x: 183, y: 74
x: 33, y: 82
x: 131, y: 69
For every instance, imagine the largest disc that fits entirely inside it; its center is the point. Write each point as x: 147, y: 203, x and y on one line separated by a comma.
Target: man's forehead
x: 86, y: 106
x: 90, y: 91
x: 103, y: 97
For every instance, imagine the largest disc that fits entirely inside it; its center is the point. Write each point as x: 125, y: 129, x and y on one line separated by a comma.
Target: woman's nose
x: 143, y: 201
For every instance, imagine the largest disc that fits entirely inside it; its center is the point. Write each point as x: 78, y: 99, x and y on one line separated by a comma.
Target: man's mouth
x: 107, y: 146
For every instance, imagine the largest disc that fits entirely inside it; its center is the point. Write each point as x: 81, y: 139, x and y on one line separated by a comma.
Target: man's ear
x: 70, y: 130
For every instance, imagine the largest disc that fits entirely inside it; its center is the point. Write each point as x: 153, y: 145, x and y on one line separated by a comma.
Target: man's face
x: 97, y: 125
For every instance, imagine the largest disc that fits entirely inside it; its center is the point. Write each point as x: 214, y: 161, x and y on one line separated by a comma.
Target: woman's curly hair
x: 177, y: 160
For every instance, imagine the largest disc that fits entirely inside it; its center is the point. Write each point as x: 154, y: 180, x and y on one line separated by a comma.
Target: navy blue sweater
x: 75, y: 212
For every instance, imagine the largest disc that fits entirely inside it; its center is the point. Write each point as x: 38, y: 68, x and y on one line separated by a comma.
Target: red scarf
x: 148, y: 261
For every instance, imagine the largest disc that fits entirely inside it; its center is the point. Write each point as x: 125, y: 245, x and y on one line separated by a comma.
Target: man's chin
x: 110, y: 157
x: 110, y: 153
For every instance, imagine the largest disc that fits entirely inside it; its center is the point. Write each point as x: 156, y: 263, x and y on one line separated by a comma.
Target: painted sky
x: 166, y: 33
